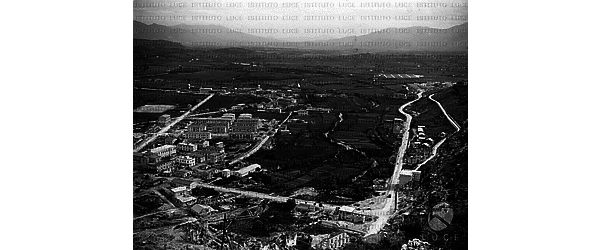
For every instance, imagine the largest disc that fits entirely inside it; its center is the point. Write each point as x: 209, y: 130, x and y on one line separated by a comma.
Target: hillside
x: 445, y: 180
x: 197, y: 35
x: 417, y: 38
x: 155, y: 44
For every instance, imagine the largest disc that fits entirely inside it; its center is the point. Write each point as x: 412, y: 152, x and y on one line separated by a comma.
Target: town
x: 284, y: 164
x: 307, y: 134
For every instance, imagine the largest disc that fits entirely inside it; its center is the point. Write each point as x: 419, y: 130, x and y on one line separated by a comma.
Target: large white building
x: 187, y: 147
x: 164, y: 151
x: 246, y: 170
x: 186, y: 160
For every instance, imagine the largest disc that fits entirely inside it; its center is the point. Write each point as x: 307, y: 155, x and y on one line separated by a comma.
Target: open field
x: 180, y: 103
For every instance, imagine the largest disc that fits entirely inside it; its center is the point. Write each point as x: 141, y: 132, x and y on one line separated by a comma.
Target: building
x: 245, y: 116
x: 163, y: 166
x: 185, y: 200
x: 217, y: 128
x: 213, y: 120
x: 181, y: 191
x: 397, y: 78
x: 320, y: 110
x: 185, y: 160
x: 164, y: 151
x: 201, y: 210
x: 189, y: 185
x: 346, y: 213
x: 245, y: 125
x: 198, y: 132
x: 408, y: 175
x: 187, y: 147
x: 203, y: 135
x: 199, y: 157
x: 226, y: 173
x: 305, y: 208
x: 182, y: 173
x: 334, y: 241
x: 242, y: 136
x: 398, y: 125
x: 229, y: 116
x: 215, y: 157
x: 246, y: 170
x: 205, y: 174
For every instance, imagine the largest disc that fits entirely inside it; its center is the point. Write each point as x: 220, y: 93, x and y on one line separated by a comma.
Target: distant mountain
x: 417, y: 38
x: 156, y: 44
x: 199, y: 35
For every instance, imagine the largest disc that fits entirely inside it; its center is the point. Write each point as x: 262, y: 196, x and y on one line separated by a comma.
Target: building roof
x: 398, y: 76
x: 163, y: 147
x: 347, y: 209
x: 185, y: 198
x: 248, y: 169
x: 199, y: 208
x: 178, y: 189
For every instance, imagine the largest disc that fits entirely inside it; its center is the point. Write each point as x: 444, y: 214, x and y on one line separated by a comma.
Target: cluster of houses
x: 309, y: 110
x: 420, y: 149
x: 174, y: 159
x: 188, y: 159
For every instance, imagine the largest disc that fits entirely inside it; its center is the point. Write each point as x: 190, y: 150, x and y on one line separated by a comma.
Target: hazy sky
x: 300, y: 20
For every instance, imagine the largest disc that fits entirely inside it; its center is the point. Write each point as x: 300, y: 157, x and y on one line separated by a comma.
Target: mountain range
x: 416, y: 38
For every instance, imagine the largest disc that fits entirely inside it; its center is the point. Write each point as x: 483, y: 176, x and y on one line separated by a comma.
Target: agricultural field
x: 338, y: 159
x: 179, y: 102
x: 226, y: 101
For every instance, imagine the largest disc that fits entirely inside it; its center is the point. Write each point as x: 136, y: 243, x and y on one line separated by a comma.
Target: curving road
x: 437, y: 145
x: 395, y: 180
x: 456, y: 126
x: 383, y: 213
x: 261, y: 143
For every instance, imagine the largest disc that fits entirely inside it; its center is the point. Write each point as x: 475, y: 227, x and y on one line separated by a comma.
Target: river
x: 348, y: 147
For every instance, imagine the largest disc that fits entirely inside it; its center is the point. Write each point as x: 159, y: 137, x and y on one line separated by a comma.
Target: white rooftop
x: 185, y: 199
x: 347, y: 209
x: 178, y: 189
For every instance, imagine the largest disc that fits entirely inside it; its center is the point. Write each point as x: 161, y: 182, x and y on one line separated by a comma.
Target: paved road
x: 383, y: 214
x: 433, y: 153
x: 389, y: 202
x: 437, y: 145
x: 267, y: 196
x: 261, y: 143
x: 456, y: 126
x: 165, y: 129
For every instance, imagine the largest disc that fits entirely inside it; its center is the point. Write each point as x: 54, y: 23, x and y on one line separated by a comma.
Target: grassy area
x: 455, y: 101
